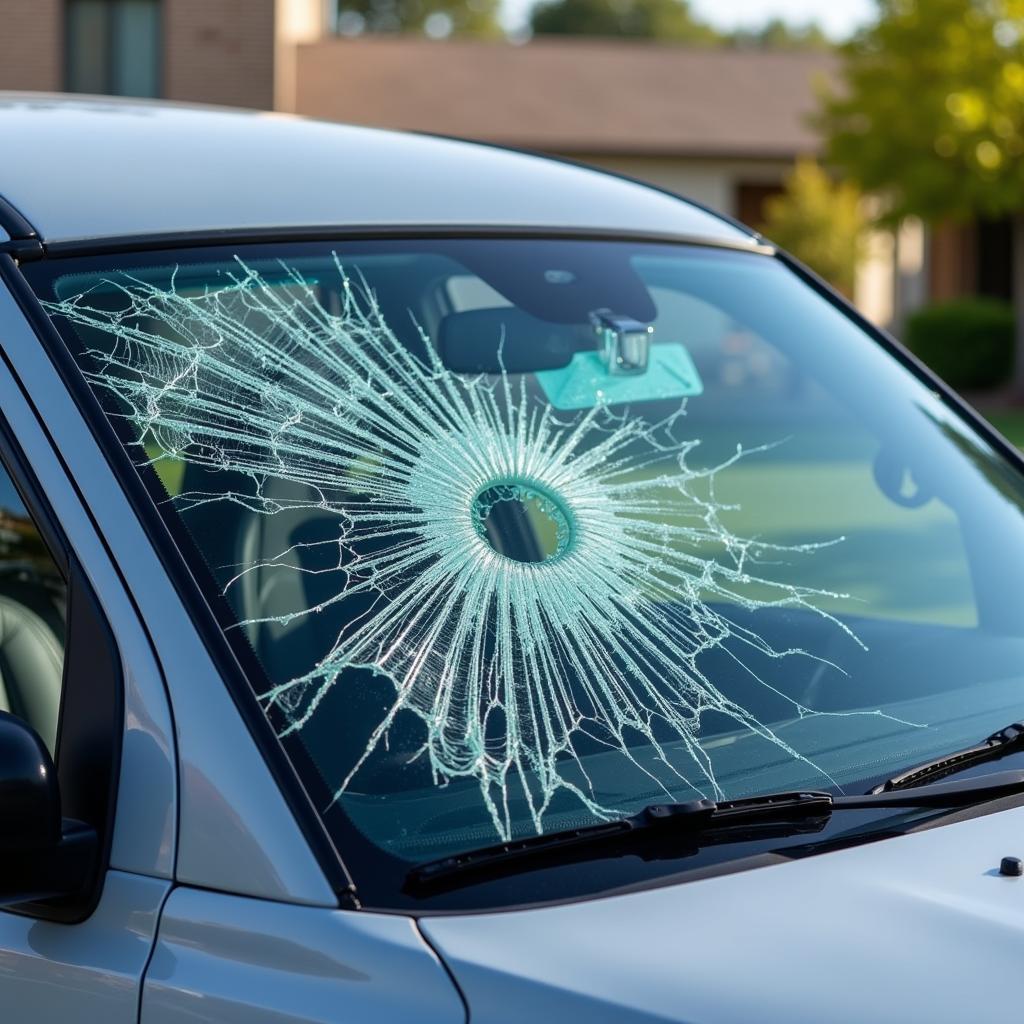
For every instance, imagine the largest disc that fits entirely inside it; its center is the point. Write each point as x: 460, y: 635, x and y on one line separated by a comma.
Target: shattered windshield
x: 521, y: 535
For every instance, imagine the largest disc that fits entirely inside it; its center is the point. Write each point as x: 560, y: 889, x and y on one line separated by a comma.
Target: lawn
x: 1009, y: 422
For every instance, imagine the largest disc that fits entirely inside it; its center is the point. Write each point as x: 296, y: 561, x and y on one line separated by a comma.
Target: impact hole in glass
x: 523, y: 521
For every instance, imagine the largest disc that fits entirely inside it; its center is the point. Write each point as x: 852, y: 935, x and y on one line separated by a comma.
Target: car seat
x: 31, y: 656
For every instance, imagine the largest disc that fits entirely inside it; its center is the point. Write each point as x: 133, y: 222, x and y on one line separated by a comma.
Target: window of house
x: 113, y: 47
x: 751, y: 199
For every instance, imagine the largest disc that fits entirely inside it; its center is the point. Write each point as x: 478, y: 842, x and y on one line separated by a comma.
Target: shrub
x: 820, y: 222
x: 968, y: 342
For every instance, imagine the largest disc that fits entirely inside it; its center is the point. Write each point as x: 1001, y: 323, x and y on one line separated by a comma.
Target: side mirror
x: 41, y: 855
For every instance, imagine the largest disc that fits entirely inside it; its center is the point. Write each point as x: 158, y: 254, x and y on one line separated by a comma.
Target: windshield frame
x: 236, y: 662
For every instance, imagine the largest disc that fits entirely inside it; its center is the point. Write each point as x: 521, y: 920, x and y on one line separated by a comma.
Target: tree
x: 777, y: 34
x: 930, y: 114
x: 820, y: 222
x: 646, y: 19
x: 435, y: 18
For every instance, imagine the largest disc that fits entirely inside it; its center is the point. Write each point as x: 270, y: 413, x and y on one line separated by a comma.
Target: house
x: 720, y: 126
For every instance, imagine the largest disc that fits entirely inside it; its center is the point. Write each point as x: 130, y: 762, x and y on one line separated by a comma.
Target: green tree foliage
x: 777, y: 34
x: 647, y: 19
x: 930, y: 111
x: 820, y: 222
x: 436, y: 18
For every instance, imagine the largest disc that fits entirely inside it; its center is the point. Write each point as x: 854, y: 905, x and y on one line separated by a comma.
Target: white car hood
x: 921, y: 927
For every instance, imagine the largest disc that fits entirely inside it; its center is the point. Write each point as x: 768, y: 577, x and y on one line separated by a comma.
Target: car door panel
x: 145, y: 823
x: 88, y: 973
x: 243, y: 961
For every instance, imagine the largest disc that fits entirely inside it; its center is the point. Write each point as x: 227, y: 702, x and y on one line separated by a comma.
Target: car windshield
x: 518, y: 535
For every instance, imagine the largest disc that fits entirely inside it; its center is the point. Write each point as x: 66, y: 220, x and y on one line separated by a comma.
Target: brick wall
x: 31, y: 34
x: 219, y: 51
x: 215, y: 51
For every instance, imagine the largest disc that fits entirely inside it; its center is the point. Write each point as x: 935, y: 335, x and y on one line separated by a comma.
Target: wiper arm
x: 682, y: 823
x: 687, y: 827
x: 1007, y: 741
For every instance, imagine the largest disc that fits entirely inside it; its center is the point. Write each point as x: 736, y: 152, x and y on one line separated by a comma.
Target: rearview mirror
x: 41, y: 855
x: 506, y: 338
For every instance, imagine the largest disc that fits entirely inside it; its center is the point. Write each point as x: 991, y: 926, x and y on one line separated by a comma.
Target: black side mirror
x: 41, y: 854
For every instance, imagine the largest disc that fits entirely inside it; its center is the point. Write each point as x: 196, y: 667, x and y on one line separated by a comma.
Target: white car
x: 457, y: 585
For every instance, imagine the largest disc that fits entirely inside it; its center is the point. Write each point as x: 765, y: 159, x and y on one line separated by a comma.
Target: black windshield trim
x: 108, y: 245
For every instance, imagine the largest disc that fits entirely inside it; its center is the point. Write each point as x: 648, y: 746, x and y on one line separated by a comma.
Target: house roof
x: 568, y: 96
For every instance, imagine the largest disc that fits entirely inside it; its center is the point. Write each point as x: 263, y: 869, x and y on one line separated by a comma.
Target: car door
x: 77, y: 665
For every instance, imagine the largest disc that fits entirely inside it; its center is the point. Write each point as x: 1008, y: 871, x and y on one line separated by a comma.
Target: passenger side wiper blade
x: 1007, y: 741
x: 687, y: 827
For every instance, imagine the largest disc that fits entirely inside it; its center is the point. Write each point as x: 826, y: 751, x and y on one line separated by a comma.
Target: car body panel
x: 195, y: 169
x: 89, y: 973
x: 916, y: 927
x: 235, y: 831
x: 145, y: 824
x: 243, y: 961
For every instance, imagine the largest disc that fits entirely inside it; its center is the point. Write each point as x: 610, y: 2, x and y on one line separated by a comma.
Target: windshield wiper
x: 1007, y: 741
x: 680, y: 829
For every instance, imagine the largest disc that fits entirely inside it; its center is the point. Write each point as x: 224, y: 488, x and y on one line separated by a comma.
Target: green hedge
x: 968, y: 342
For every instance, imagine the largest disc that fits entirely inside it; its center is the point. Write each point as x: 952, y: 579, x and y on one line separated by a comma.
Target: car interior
x: 33, y: 616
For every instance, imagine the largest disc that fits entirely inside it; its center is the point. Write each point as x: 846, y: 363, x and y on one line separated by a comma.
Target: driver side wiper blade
x: 1008, y: 740
x: 680, y: 829
x: 681, y: 823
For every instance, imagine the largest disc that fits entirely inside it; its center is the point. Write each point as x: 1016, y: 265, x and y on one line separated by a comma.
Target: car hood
x: 920, y: 927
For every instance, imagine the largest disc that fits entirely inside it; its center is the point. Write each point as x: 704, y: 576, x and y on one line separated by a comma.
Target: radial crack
x: 510, y: 662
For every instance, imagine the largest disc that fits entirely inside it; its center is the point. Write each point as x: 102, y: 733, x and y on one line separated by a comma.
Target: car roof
x: 80, y: 168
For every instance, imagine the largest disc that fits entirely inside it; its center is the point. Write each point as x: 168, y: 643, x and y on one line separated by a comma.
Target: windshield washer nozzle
x: 1011, y: 867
